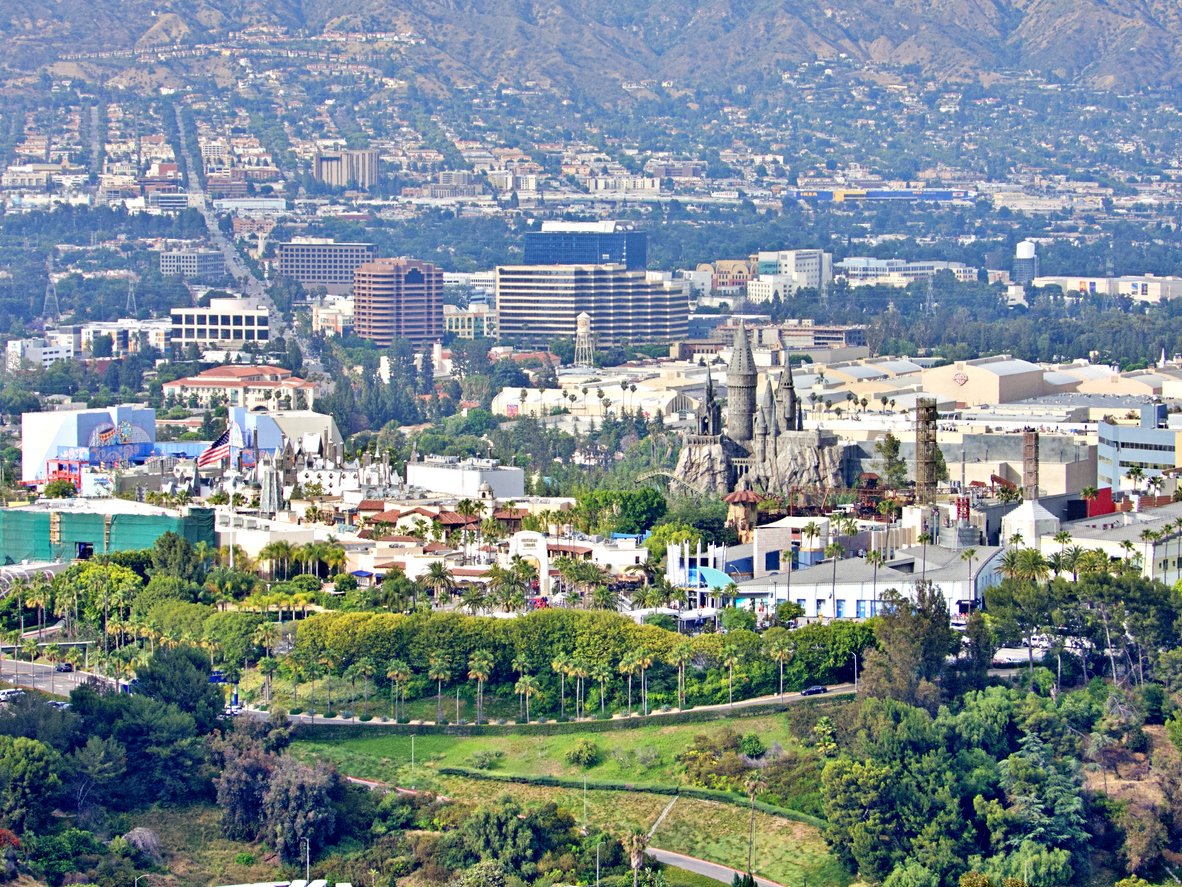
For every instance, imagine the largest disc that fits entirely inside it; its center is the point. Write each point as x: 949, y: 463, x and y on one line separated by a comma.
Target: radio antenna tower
x: 51, y: 309
x: 131, y: 307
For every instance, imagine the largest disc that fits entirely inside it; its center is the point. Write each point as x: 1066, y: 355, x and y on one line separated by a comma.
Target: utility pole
x: 307, y: 858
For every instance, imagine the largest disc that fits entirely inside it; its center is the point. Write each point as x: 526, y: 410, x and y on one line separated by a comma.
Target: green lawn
x: 786, y: 851
x: 644, y: 754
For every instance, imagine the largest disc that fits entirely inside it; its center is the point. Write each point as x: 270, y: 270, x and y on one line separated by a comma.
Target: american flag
x: 217, y: 451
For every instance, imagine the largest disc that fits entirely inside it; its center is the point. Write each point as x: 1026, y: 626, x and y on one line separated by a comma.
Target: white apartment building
x: 864, y: 271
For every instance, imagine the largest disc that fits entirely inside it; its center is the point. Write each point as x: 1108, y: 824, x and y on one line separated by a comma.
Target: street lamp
x: 138, y: 879
x: 597, y: 846
x: 307, y: 858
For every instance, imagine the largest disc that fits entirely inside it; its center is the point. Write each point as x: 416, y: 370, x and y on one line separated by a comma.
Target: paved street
x: 702, y: 867
x: 42, y: 677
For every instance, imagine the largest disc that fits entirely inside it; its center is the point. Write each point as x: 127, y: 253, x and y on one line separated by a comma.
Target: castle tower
x: 788, y: 416
x: 740, y: 389
x: 767, y: 408
x: 709, y: 415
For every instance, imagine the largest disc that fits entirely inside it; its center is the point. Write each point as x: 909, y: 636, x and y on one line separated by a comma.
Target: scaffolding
x: 925, y: 451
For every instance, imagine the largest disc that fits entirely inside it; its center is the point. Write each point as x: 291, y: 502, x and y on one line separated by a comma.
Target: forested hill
x: 1116, y: 44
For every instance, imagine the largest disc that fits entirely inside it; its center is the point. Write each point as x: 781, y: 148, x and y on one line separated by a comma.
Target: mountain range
x: 1118, y: 45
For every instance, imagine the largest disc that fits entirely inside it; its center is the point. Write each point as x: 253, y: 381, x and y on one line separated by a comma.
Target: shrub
x: 752, y: 746
x: 365, y: 717
x: 485, y: 760
x: 647, y: 756
x: 330, y: 713
x: 244, y: 859
x: 584, y: 753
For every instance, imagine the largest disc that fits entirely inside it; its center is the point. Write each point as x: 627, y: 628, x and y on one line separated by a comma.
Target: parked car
x: 10, y: 694
x: 815, y: 690
x: 63, y: 667
x: 232, y: 711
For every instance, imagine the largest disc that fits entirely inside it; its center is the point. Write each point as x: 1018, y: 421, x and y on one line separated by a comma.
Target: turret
x: 788, y: 405
x: 740, y: 389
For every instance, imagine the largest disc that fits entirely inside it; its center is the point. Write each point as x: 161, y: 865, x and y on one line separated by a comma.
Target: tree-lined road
x: 35, y: 676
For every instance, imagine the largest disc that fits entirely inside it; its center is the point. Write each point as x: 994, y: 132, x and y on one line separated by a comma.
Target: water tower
x: 584, y: 341
x: 1025, y: 263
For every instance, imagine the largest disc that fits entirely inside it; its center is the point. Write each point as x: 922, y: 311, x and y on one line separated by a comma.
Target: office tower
x: 398, y: 299
x: 586, y: 243
x: 346, y: 168
x: 537, y: 304
x: 315, y: 261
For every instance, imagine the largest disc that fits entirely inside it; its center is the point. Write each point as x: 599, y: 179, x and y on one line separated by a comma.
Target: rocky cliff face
x: 802, y: 459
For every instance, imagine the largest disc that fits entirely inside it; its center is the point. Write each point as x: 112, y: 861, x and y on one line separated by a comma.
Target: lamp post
x: 138, y: 879
x: 307, y: 858
x: 597, y: 846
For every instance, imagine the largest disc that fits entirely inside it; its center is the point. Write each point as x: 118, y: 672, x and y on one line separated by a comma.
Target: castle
x: 765, y: 445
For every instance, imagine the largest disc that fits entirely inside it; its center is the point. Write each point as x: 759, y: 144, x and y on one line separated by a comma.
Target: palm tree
x: 266, y: 636
x: 1136, y: 474
x: 635, y: 843
x: 779, y: 648
x: 753, y: 785
x: 924, y: 539
x: 682, y: 655
x: 268, y: 666
x: 527, y: 688
x: 474, y: 597
x: 438, y: 670
x: 644, y: 659
x: 561, y: 664
x: 835, y: 551
x: 629, y: 666
x: 1063, y: 538
x: 811, y: 530
x: 399, y: 674
x: 876, y: 559
x: 365, y: 668
x: 602, y: 673
x: 439, y: 579
x: 580, y: 670
x: 969, y: 555
x: 1089, y: 495
x: 480, y: 666
x: 730, y: 658
x: 40, y: 595
x: 1071, y: 561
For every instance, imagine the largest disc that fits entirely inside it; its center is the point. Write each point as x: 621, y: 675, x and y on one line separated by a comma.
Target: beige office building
x: 398, y: 299
x: 346, y: 168
x: 537, y: 304
x: 315, y: 261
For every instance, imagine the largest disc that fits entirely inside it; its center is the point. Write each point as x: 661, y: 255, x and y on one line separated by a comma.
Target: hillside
x: 1114, y: 44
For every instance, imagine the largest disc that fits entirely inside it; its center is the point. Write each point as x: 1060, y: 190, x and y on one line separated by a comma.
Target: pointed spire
x: 768, y: 401
x: 742, y: 360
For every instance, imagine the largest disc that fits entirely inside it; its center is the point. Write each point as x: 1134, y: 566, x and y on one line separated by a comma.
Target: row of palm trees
x: 309, y: 557
x: 575, y: 674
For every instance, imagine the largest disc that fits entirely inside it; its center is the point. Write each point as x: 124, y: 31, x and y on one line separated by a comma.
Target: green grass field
x: 644, y: 754
x: 788, y: 852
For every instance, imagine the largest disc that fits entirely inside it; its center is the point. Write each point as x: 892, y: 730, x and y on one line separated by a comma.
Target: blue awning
x: 708, y: 577
x: 361, y: 574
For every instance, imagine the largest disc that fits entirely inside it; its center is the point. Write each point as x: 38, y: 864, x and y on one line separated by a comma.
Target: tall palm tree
x: 876, y: 559
x: 1063, y: 538
x: 629, y: 667
x: 480, y: 666
x: 780, y: 648
x: 277, y: 552
x: 1089, y: 495
x: 602, y: 673
x: 1071, y: 561
x: 40, y: 596
x: 1136, y: 474
x: 645, y: 660
x: 834, y: 551
x: 561, y: 664
x: 753, y: 785
x: 399, y: 674
x: 730, y: 658
x: 811, y: 530
x: 968, y: 556
x: 924, y: 539
x: 681, y: 656
x: 365, y: 668
x: 527, y: 688
x: 438, y: 670
x: 266, y: 635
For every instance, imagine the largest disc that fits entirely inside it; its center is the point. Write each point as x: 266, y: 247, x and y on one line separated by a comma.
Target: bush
x: 365, y: 717
x: 331, y: 713
x: 752, y: 746
x: 485, y: 760
x: 245, y: 859
x: 584, y: 753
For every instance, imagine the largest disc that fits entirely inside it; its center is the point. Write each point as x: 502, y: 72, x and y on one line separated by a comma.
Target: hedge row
x: 550, y: 728
x: 701, y: 794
